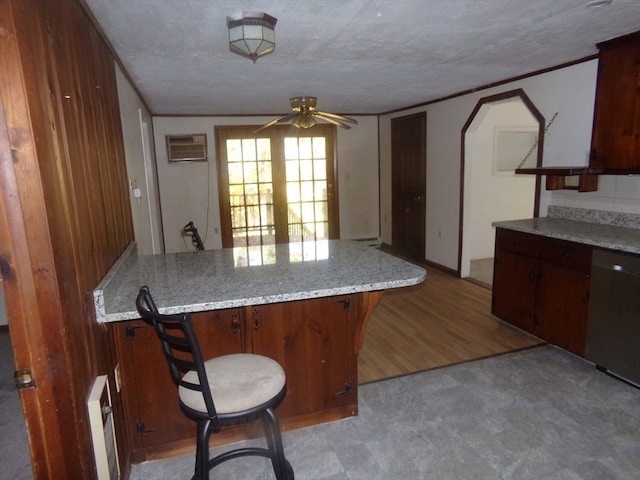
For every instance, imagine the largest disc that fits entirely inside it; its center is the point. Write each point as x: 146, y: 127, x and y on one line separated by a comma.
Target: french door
x: 277, y: 186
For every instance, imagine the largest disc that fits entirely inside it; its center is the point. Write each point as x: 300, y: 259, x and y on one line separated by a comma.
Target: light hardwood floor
x: 443, y: 321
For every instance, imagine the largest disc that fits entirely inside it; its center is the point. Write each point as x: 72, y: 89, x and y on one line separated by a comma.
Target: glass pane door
x: 251, y: 191
x: 306, y: 183
x: 276, y: 187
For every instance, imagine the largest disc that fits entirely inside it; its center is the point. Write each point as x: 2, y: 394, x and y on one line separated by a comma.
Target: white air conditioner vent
x: 187, y: 148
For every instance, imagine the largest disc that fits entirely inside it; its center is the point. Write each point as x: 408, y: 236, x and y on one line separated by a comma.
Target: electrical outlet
x: 116, y: 374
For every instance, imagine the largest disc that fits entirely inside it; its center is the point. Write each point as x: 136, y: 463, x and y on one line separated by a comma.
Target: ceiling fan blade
x: 328, y: 119
x: 338, y: 117
x: 282, y: 119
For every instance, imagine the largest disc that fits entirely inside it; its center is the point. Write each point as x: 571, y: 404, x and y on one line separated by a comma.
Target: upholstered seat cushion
x: 238, y: 382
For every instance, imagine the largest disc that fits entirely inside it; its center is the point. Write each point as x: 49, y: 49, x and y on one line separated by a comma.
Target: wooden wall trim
x: 64, y: 217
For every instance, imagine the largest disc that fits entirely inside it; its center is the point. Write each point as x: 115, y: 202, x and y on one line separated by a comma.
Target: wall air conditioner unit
x: 187, y: 148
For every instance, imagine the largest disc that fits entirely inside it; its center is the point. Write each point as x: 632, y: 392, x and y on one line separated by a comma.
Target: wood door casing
x: 408, y: 185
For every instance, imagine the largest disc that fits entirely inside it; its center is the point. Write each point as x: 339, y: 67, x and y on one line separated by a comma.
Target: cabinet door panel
x: 562, y: 253
x: 517, y: 242
x: 147, y: 389
x: 151, y: 398
x: 616, y: 128
x: 514, y: 289
x: 562, y: 305
x: 312, y: 341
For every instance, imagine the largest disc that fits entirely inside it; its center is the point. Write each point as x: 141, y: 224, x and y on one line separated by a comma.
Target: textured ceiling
x: 356, y: 56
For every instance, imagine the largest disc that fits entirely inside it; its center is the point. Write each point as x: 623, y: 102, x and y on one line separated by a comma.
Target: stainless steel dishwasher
x: 613, y: 333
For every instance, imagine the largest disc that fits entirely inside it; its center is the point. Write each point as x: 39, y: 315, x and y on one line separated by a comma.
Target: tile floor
x: 538, y: 414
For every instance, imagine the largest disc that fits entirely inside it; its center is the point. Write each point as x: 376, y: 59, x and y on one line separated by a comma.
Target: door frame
x: 511, y: 94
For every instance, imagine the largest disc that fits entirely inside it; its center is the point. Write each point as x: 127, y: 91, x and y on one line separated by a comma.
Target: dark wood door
x: 408, y: 184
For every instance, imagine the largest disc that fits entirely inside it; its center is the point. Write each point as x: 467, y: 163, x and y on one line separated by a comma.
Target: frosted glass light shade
x: 252, y: 34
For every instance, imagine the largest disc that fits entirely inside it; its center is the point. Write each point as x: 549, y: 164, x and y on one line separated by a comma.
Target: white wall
x: 492, y: 195
x: 189, y: 191
x: 616, y: 193
x: 569, y: 91
x: 141, y: 172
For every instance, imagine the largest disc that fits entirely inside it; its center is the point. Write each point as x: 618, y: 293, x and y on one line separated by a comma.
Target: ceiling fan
x: 305, y: 115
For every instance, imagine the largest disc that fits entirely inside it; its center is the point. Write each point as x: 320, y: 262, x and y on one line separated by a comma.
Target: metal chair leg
x: 202, y: 451
x: 274, y: 441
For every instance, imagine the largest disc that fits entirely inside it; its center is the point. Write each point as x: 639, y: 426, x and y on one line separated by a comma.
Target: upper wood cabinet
x: 615, y: 143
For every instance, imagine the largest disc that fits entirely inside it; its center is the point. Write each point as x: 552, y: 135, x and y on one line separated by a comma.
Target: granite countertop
x: 229, y: 278
x: 601, y: 235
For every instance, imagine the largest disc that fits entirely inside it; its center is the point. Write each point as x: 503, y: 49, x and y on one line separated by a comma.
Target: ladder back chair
x: 222, y: 391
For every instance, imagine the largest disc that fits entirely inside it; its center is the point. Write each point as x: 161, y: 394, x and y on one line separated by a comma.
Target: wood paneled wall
x: 64, y: 216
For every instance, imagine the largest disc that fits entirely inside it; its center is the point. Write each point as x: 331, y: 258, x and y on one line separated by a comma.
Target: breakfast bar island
x: 305, y: 305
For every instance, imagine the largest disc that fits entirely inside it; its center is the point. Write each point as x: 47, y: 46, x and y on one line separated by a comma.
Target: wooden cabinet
x: 616, y: 127
x: 150, y: 399
x: 514, y: 280
x: 314, y: 340
x: 541, y: 285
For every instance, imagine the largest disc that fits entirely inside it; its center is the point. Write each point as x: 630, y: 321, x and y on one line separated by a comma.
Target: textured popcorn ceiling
x: 356, y: 56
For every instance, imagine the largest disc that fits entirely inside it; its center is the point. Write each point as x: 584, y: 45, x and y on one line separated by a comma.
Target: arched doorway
x: 504, y: 132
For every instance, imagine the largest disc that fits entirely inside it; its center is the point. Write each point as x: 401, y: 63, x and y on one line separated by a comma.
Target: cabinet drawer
x: 517, y: 242
x: 562, y: 253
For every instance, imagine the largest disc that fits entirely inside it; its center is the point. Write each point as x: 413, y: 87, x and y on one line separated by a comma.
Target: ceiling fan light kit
x: 305, y: 115
x: 252, y: 34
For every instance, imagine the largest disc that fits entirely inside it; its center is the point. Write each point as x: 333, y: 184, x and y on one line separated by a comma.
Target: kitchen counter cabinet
x: 306, y: 306
x: 514, y: 280
x: 541, y: 285
x: 150, y: 399
x: 316, y: 342
x: 561, y: 307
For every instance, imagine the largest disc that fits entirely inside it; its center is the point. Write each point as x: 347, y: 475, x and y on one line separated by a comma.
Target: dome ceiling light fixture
x: 305, y: 115
x: 252, y: 34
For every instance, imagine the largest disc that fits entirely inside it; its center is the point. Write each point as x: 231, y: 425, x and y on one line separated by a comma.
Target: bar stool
x: 222, y: 391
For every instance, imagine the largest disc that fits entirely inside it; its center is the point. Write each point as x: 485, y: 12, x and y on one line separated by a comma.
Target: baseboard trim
x: 423, y: 262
